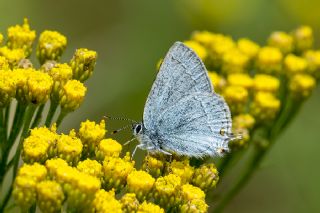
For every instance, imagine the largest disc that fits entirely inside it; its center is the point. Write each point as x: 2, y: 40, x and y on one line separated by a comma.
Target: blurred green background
x: 131, y: 36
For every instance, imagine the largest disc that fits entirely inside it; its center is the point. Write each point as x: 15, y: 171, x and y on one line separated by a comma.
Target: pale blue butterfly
x: 183, y: 114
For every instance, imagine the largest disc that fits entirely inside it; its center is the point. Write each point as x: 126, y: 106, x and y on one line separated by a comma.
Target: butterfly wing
x: 197, y: 125
x: 181, y: 73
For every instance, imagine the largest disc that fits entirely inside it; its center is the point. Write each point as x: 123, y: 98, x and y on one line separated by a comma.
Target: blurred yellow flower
x: 303, y: 38
x: 266, y: 83
x: 248, y: 47
x: 265, y: 106
x: 269, y: 60
x: 302, y: 85
x: 197, y: 48
x: 240, y: 79
x: 50, y: 196
x: 294, y: 64
x: 236, y: 97
x: 281, y: 40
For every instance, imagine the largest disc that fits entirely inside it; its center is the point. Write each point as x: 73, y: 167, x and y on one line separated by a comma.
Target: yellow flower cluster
x: 257, y: 81
x: 85, y: 171
x: 24, y: 92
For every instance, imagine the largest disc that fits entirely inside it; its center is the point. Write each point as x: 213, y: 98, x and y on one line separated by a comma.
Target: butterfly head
x: 137, y: 129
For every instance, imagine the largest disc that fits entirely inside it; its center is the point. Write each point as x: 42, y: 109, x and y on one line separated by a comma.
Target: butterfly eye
x: 222, y: 131
x: 138, y: 128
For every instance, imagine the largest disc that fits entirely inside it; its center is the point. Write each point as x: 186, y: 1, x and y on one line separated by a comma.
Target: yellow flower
x: 269, y: 60
x: 205, y: 177
x: 248, y: 47
x: 197, y: 48
x: 91, y: 134
x: 35, y: 150
x: 243, y: 121
x: 105, y: 202
x: 236, y: 97
x: 116, y: 171
x: 181, y: 169
x: 13, y: 56
x: 217, y: 81
x: 7, y: 87
x: 302, y: 85
x: 265, y: 106
x: 90, y: 167
x: 217, y: 48
x: 190, y: 192
x: 295, y: 64
x: 234, y: 61
x: 51, y: 45
x: 35, y: 171
x: 149, y: 208
x: 71, y: 95
x: 24, y: 191
x: 167, y: 190
x: 83, y: 63
x: 194, y: 206
x: 21, y: 37
x: 266, y: 83
x: 153, y: 165
x: 108, y: 148
x: 60, y: 74
x: 140, y: 183
x: 240, y: 79
x: 50, y: 196
x: 4, y: 64
x: 129, y: 203
x: 53, y: 165
x: 1, y: 38
x: 69, y: 148
x: 32, y: 86
x: 245, y: 137
x: 303, y: 38
x: 203, y: 37
x: 313, y: 59
x: 281, y: 40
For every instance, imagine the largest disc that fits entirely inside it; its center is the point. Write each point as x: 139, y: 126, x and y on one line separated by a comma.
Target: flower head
x: 236, y: 97
x: 302, y: 85
x: 129, y: 203
x: 140, y: 183
x: 50, y: 196
x: 106, y: 202
x: 295, y: 64
x: 149, y: 208
x: 205, y: 177
x: 234, y: 61
x: 269, y: 60
x: 266, y: 83
x: 7, y: 87
x: 83, y: 63
x: 51, y: 45
x: 72, y: 95
x: 24, y: 191
x: 181, y: 169
x: 153, y: 165
x: 281, y: 40
x: 303, y: 38
x: 193, y: 206
x: 240, y: 79
x: 21, y: 37
x: 90, y: 167
x: 4, y: 64
x: 69, y: 148
x: 313, y: 59
x: 248, y: 47
x: 91, y: 134
x: 108, y: 148
x: 217, y: 81
x: 116, y: 171
x: 13, y: 56
x: 265, y: 106
x: 167, y: 190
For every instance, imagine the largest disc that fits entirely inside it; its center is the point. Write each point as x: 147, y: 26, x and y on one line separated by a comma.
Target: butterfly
x: 183, y: 114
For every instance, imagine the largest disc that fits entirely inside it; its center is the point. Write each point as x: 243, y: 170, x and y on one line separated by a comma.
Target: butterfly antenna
x: 132, y: 139
x: 122, y: 128
x: 119, y: 118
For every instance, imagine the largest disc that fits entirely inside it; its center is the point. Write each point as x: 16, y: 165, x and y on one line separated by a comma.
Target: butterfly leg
x: 140, y: 146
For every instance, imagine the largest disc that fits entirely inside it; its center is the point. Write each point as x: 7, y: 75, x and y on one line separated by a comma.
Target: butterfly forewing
x: 181, y: 73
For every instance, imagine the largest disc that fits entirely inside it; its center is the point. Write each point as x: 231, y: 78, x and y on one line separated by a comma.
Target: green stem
x: 52, y: 110
x: 254, y: 164
x: 61, y: 117
x: 6, y: 118
x: 27, y: 118
x: 3, y: 134
x: 38, y: 117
